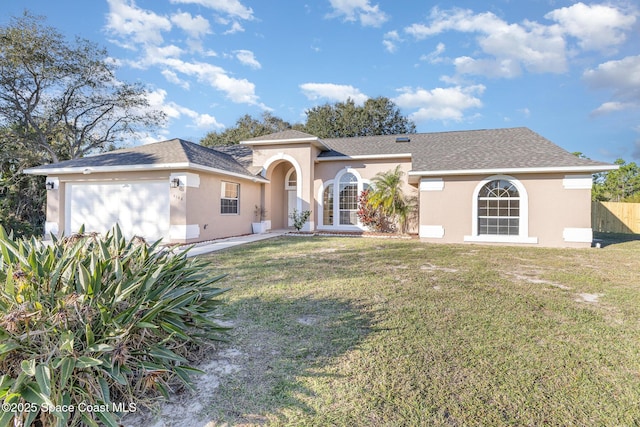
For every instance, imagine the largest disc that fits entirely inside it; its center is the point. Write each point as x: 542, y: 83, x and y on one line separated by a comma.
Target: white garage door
x: 141, y: 209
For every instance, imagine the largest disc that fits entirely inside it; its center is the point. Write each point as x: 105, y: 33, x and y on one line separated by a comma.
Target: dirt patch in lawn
x: 272, y: 343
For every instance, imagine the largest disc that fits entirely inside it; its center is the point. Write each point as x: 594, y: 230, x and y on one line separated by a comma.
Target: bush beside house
x: 97, y: 321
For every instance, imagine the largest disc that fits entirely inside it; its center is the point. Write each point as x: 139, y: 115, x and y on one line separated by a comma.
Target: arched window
x: 291, y: 180
x: 499, y: 209
x: 348, y: 199
x: 339, y: 200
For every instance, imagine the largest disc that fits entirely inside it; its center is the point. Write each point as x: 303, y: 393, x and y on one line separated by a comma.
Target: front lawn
x: 372, y: 332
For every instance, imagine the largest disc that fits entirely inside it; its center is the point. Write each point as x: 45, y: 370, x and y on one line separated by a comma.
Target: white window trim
x: 336, y: 201
x: 320, y: 199
x: 523, y: 229
x: 222, y: 197
x: 286, y: 180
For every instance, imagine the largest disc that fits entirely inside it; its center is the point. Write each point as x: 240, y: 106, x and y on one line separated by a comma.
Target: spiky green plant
x: 90, y: 321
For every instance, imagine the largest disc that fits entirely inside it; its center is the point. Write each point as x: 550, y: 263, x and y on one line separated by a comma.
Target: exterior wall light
x: 50, y: 185
x: 175, y: 183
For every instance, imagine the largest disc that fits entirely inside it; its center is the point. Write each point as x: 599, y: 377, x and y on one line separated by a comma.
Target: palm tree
x: 387, y: 195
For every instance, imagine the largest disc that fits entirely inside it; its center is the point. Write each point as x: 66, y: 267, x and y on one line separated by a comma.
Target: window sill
x: 341, y: 228
x: 491, y: 238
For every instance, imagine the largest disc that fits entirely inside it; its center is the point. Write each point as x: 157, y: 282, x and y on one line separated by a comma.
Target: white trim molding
x: 431, y: 184
x: 187, y: 179
x: 364, y: 157
x: 432, y: 231
x: 280, y: 157
x: 50, y: 227
x: 138, y: 168
x: 336, y: 201
x: 577, y: 235
x: 577, y: 182
x: 494, y: 238
x: 578, y: 169
x: 184, y: 231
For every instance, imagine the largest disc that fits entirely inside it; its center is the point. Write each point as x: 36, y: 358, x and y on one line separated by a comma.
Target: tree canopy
x: 59, y: 100
x: 378, y: 116
x: 246, y: 127
x: 620, y: 185
x: 62, y: 99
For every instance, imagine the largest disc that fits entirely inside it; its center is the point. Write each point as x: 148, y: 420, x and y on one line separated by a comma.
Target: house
x: 507, y: 186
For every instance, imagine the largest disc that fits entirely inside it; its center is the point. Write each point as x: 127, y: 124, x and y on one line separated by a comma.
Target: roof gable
x: 171, y: 154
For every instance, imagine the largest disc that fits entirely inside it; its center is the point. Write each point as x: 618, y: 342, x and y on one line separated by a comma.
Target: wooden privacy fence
x: 612, y: 217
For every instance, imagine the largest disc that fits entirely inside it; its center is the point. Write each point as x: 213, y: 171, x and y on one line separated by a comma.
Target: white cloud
x: 529, y: 45
x: 488, y: 67
x: 597, y: 26
x: 173, y: 78
x: 333, y: 92
x: 389, y: 41
x: 612, y: 107
x: 440, y: 103
x: 205, y: 121
x: 125, y: 19
x: 535, y: 47
x: 196, y: 26
x: 157, y: 100
x: 233, y: 8
x: 240, y: 91
x: 434, y: 57
x: 620, y: 76
x: 247, y: 57
x: 358, y: 10
x: 235, y: 28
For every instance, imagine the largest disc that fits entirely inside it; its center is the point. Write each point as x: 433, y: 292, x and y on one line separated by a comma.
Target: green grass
x: 382, y: 332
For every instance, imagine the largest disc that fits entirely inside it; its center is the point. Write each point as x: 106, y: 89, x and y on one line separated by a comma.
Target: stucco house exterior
x: 506, y: 186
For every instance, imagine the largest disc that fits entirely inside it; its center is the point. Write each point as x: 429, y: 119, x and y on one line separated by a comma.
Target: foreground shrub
x: 93, y: 327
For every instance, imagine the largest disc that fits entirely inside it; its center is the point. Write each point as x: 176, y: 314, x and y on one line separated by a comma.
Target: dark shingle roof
x: 465, y: 150
x: 172, y: 152
x: 242, y: 154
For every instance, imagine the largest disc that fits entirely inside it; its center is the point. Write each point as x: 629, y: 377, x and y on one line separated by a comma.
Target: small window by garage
x: 230, y: 200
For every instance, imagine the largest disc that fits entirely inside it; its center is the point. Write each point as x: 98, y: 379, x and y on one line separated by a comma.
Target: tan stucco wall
x: 202, y: 207
x: 189, y: 206
x: 552, y: 208
x: 276, y: 161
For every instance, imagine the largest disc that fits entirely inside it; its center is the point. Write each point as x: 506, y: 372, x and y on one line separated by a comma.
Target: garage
x: 140, y: 208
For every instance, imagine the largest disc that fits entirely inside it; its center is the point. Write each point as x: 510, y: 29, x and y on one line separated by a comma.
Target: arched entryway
x: 283, y: 193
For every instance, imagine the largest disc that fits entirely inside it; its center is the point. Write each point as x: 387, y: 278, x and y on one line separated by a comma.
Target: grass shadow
x: 276, y: 341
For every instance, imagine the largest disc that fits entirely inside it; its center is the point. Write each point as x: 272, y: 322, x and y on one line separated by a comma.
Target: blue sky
x: 568, y: 70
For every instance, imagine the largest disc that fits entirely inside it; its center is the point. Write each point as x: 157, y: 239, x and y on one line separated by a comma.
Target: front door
x: 292, y: 200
